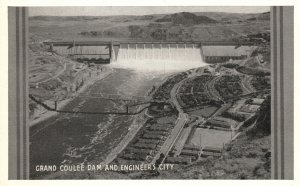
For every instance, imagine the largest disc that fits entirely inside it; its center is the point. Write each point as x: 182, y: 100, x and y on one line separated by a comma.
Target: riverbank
x: 47, y: 114
x: 138, y: 123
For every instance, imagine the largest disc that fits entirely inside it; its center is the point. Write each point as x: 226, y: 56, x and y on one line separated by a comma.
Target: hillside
x: 262, y: 16
x: 183, y: 26
x: 186, y: 18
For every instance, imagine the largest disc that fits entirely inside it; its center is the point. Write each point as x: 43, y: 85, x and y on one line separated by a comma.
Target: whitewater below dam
x: 71, y: 138
x: 159, y: 57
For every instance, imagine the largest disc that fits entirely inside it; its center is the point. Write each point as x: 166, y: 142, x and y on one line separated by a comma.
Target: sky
x: 141, y: 10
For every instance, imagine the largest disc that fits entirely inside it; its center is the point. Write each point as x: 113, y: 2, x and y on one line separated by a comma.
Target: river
x: 72, y: 138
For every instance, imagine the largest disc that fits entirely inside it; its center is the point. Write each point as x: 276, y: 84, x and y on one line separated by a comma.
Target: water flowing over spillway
x: 160, y: 57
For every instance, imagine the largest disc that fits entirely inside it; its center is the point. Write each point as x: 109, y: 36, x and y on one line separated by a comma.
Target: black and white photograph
x: 150, y: 92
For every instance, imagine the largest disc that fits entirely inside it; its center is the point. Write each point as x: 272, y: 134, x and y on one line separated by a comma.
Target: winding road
x: 182, y: 119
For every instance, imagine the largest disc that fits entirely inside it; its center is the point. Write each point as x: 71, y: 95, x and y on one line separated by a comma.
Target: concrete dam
x: 154, y: 55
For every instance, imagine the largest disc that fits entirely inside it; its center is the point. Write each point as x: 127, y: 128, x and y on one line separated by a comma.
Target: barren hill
x: 186, y: 18
x: 183, y: 26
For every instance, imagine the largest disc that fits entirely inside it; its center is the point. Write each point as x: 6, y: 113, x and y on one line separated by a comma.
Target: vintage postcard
x: 151, y: 92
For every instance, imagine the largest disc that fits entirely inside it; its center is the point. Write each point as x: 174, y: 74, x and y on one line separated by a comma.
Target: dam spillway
x: 167, y: 57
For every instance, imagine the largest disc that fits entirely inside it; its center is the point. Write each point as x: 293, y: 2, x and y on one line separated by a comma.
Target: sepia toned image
x: 184, y: 90
x: 151, y: 93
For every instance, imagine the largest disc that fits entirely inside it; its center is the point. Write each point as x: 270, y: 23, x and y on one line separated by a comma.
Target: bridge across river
x: 130, y: 101
x: 127, y: 98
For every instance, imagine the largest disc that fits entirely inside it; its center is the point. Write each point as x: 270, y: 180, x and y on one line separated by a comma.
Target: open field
x: 208, y: 137
x: 203, y: 112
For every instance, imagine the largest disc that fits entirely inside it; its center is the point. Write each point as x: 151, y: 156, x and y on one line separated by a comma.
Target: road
x: 170, y: 141
x: 182, y: 119
x: 210, y: 88
x: 174, y: 92
x: 246, y: 84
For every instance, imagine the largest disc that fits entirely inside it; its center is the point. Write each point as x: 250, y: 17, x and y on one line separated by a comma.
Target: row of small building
x: 148, y: 143
x: 145, y: 147
x: 191, y: 153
